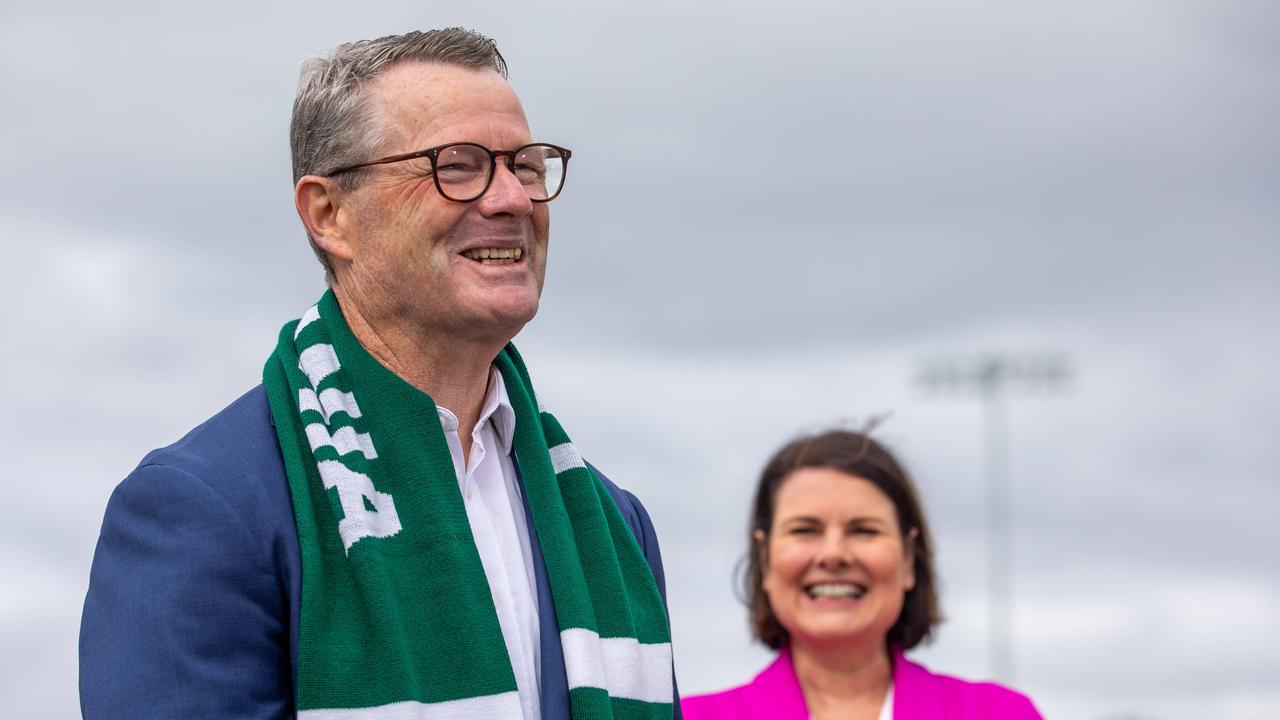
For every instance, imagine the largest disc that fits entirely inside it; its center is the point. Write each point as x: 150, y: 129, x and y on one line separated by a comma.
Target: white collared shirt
x: 495, y: 511
x: 886, y: 708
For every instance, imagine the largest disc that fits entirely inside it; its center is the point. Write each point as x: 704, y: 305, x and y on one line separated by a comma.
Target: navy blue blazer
x: 192, y: 609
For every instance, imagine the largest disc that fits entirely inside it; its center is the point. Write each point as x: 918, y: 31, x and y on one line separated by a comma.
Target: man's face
x: 413, y: 251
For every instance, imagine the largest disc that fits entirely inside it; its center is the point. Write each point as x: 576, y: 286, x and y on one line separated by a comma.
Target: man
x: 390, y: 526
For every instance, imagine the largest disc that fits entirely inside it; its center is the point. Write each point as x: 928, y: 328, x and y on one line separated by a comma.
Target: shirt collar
x: 496, y: 407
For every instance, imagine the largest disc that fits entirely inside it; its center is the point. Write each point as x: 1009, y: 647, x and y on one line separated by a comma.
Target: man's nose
x: 506, y: 194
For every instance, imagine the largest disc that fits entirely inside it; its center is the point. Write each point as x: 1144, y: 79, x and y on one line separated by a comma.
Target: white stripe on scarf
x: 502, y: 706
x: 624, y: 667
x: 565, y: 456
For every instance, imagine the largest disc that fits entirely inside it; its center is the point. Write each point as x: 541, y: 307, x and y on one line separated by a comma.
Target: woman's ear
x: 909, y: 558
x: 762, y: 550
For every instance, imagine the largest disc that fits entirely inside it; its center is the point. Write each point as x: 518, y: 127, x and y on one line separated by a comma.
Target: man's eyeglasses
x: 463, y: 171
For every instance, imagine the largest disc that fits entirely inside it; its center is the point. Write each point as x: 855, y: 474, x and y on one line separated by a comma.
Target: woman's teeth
x: 836, y: 590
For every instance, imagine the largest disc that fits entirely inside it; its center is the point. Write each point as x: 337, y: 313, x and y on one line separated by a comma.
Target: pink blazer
x: 918, y: 694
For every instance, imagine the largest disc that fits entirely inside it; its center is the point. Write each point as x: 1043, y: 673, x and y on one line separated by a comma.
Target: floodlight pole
x: 1000, y: 554
x: 991, y: 376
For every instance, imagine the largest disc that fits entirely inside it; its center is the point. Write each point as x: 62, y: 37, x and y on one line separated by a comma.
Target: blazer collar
x: 914, y: 694
x: 776, y: 691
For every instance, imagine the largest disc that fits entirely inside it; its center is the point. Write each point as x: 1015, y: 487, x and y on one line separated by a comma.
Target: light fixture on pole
x: 992, y: 377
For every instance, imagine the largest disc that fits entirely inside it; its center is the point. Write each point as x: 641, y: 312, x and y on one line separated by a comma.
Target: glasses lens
x: 462, y: 171
x: 540, y: 168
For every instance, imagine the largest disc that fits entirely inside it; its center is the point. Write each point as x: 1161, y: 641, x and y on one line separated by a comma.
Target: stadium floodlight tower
x: 992, y: 377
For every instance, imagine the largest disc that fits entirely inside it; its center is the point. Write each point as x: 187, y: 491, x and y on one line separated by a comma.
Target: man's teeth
x: 836, y: 590
x: 495, y: 256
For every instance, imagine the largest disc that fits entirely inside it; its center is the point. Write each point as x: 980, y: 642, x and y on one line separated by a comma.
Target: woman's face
x: 836, y: 568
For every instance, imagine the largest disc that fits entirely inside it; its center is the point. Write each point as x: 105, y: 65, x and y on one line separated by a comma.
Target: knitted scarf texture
x: 397, y: 620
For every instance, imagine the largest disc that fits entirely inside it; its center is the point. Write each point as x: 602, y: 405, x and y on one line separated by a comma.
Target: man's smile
x: 494, y: 256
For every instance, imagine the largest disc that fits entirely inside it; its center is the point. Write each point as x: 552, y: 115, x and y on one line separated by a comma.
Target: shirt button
x: 468, y: 493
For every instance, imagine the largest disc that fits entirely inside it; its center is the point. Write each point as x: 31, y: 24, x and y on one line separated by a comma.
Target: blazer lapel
x: 554, y: 684
x: 775, y: 692
x: 915, y: 694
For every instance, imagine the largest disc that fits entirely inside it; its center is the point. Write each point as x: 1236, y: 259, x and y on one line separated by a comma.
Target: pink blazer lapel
x: 775, y: 692
x: 914, y: 691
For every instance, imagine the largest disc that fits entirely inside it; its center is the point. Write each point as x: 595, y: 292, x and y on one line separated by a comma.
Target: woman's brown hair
x: 858, y: 455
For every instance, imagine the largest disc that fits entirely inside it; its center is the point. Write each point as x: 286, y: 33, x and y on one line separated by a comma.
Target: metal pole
x: 992, y: 377
x: 999, y: 535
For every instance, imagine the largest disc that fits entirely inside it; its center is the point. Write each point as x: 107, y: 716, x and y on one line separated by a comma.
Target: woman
x: 840, y: 581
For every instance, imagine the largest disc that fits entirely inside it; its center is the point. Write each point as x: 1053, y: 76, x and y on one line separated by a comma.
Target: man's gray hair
x: 333, y: 122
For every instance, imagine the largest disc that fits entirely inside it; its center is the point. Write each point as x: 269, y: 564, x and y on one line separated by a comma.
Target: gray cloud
x: 772, y: 217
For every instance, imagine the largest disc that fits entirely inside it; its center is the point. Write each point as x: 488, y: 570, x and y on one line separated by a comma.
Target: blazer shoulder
x: 773, y: 694
x: 236, y: 455
x: 988, y: 700
x: 236, y: 440
x: 965, y: 699
x: 633, y: 511
x: 725, y: 705
x: 207, y: 524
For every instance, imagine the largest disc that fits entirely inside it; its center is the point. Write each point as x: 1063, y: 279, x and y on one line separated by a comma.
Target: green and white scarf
x: 397, y: 620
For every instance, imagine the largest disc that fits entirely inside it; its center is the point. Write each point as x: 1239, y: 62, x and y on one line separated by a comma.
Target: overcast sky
x: 775, y: 213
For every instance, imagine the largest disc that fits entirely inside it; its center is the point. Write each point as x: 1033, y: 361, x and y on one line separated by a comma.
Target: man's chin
x: 506, y: 319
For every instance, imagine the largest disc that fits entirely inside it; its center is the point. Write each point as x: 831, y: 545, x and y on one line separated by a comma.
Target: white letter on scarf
x: 345, y: 440
x: 353, y: 489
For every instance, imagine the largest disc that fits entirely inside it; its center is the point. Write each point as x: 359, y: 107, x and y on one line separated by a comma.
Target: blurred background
x: 778, y: 217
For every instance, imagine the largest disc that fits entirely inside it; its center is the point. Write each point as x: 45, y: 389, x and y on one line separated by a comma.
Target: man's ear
x: 319, y: 201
